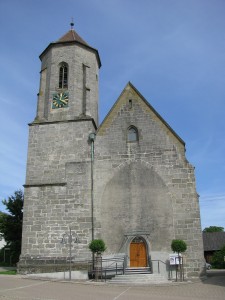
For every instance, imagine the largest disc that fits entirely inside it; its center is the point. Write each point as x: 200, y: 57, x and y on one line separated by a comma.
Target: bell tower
x: 58, y: 175
x: 68, y: 80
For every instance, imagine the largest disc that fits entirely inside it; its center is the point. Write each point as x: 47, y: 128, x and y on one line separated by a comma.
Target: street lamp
x: 92, y: 139
x: 69, y: 238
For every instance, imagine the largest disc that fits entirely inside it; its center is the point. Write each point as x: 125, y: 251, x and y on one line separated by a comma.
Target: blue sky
x: 173, y: 52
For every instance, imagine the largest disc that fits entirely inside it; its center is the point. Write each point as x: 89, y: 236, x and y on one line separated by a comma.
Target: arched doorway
x: 138, y: 253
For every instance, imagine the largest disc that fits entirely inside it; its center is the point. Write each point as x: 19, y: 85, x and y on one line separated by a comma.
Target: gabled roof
x: 148, y: 106
x: 71, y: 37
x: 213, y: 240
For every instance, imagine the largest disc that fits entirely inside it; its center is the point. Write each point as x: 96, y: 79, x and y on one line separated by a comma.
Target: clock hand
x: 64, y: 101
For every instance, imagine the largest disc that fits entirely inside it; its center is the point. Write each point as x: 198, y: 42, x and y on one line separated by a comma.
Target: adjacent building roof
x: 213, y: 240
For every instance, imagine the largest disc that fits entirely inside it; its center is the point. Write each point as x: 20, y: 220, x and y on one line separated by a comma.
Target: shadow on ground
x: 215, y: 277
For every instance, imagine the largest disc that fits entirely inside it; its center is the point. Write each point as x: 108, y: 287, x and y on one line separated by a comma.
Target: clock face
x: 60, y: 100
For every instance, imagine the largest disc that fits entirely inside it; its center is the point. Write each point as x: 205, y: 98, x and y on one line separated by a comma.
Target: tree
x: 179, y: 246
x: 97, y: 246
x: 218, y: 259
x: 11, y: 224
x: 213, y: 229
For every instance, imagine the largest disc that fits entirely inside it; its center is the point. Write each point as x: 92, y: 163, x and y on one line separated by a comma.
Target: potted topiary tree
x: 97, y: 247
x: 179, y: 246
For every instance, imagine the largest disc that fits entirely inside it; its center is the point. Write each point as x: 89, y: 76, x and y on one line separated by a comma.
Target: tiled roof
x: 71, y: 36
x: 213, y: 240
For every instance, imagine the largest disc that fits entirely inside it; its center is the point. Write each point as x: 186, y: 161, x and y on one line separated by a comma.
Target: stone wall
x: 147, y: 186
x: 142, y: 188
x: 57, y: 191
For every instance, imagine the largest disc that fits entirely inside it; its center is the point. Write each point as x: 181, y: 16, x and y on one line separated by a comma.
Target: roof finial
x: 72, y: 23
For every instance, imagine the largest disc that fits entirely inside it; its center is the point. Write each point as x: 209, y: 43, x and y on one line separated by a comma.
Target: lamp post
x: 68, y: 238
x: 92, y: 139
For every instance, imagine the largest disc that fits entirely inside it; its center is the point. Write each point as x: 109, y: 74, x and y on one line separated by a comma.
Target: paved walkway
x: 18, y: 288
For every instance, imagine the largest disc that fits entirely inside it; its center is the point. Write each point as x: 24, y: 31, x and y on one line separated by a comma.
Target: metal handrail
x: 117, y: 265
x: 159, y: 261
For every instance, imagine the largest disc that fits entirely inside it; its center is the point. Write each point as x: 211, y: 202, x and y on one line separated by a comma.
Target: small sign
x: 174, y: 259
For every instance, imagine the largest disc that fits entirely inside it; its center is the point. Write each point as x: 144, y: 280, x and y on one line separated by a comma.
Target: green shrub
x: 218, y: 259
x: 178, y: 246
x: 97, y: 246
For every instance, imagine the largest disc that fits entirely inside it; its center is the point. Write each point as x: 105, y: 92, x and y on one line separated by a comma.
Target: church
x: 126, y: 181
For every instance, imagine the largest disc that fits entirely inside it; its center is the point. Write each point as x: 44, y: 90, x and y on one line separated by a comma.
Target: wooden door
x: 138, y: 255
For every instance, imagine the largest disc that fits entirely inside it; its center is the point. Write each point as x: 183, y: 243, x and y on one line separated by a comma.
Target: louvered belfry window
x: 63, y: 76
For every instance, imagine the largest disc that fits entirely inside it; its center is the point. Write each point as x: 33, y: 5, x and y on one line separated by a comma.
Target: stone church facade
x: 126, y: 180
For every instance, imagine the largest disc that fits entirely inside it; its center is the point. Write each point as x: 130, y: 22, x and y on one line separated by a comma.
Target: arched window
x: 132, y: 134
x: 63, y: 75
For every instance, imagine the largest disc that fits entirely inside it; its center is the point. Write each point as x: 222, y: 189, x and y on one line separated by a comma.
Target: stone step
x: 139, y: 279
x: 145, y: 270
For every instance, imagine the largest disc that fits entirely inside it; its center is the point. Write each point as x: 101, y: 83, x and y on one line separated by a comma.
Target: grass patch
x: 9, y: 272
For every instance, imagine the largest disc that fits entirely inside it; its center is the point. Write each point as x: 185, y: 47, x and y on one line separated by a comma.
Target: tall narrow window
x: 132, y: 134
x: 130, y: 103
x: 63, y: 76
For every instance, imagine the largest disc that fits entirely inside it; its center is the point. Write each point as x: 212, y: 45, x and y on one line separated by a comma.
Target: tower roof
x: 71, y: 37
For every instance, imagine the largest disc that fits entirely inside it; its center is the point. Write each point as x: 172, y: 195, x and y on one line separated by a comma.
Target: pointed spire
x: 72, y: 36
x: 72, y: 24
